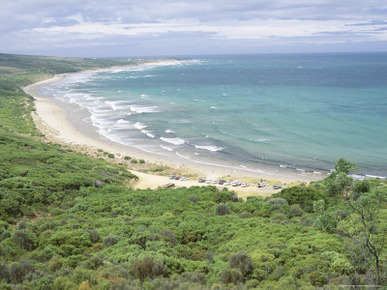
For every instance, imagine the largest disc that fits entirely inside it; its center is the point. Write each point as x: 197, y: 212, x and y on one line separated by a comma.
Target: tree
x: 344, y: 166
x: 338, y: 182
x: 361, y: 226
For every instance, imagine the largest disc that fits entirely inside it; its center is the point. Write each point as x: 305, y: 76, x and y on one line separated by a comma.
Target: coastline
x: 59, y: 125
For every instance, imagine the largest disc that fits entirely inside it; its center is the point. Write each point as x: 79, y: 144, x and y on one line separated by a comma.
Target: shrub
x: 295, y: 210
x: 302, y: 195
x: 110, y: 241
x: 306, y: 221
x: 22, y: 225
x: 19, y: 270
x: 222, y: 209
x: 359, y: 187
x: 317, y: 279
x: 193, y: 198
x: 156, y: 169
x: 342, y: 213
x: 141, y: 161
x: 230, y: 275
x: 110, y: 155
x: 326, y: 222
x: 94, y: 236
x: 278, y: 200
x: 63, y: 283
x: 127, y: 158
x: 279, y: 217
x: 319, y: 206
x: 134, y: 161
x: 147, y: 268
x: 4, y: 235
x: 244, y: 215
x: 242, y: 261
x: 4, y: 272
x: 278, y: 273
x: 209, y: 256
x: 277, y: 207
x: 194, y: 277
x: 24, y: 239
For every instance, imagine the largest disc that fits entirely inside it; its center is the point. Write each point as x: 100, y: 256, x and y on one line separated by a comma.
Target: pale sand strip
x: 53, y: 122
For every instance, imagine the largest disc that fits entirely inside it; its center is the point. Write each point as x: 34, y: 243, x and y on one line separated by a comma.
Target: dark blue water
x: 299, y: 111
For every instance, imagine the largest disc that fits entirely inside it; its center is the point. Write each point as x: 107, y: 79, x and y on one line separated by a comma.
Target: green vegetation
x: 70, y: 222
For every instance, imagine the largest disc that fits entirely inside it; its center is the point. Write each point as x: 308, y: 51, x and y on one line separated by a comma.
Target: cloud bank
x: 161, y: 27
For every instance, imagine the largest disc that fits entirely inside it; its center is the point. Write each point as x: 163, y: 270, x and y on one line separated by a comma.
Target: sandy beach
x: 58, y: 125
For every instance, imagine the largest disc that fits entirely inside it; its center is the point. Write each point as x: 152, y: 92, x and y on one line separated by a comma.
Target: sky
x: 124, y: 28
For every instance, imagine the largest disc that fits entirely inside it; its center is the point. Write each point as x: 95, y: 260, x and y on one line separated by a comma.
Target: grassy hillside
x: 71, y: 222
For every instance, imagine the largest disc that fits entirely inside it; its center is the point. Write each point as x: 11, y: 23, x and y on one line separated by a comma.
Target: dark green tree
x: 338, y: 182
x: 361, y: 227
x: 344, y: 166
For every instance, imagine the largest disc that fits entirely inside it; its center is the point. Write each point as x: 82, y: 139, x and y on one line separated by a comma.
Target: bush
x: 242, y: 261
x: 193, y: 198
x: 295, y: 210
x: 317, y: 279
x: 277, y: 208
x: 19, y: 270
x: 147, y: 268
x: 244, y: 215
x: 94, y: 236
x: 110, y: 241
x: 306, y: 221
x: 231, y: 276
x: 4, y: 272
x: 278, y: 273
x: 222, y: 209
x: 302, y: 195
x: 24, y: 239
x: 359, y: 187
x: 326, y: 222
x: 342, y: 213
x: 194, y: 277
x: 22, y: 225
x: 319, y: 206
x: 278, y: 200
x: 4, y: 235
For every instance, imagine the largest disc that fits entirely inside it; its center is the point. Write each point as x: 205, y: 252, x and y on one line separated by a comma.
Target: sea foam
x: 140, y: 126
x: 211, y: 148
x: 143, y: 109
x: 174, y: 141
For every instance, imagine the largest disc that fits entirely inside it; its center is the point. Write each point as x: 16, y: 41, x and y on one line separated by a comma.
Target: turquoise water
x: 296, y: 111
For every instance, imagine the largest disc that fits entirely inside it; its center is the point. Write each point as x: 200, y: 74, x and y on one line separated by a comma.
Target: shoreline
x: 59, y: 125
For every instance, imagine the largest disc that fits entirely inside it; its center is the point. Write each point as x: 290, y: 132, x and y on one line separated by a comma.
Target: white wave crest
x: 211, y: 148
x: 174, y: 141
x: 143, y: 109
x: 166, y: 148
x: 148, y: 133
x: 122, y: 121
x: 140, y: 126
x: 169, y: 131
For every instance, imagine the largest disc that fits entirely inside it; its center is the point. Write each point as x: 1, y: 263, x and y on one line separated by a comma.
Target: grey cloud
x: 45, y: 21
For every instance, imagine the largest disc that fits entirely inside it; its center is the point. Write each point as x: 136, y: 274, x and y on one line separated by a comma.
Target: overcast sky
x: 94, y: 28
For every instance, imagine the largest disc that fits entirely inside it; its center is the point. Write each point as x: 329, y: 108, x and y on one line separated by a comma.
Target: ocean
x: 296, y: 112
